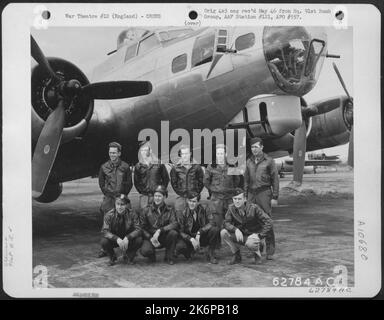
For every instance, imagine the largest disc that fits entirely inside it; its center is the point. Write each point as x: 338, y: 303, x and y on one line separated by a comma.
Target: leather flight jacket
x: 261, y: 175
x: 115, y: 179
x: 185, y: 180
x: 204, y: 219
x: 155, y: 217
x: 147, y: 177
x: 219, y: 183
x: 250, y: 218
x: 122, y: 225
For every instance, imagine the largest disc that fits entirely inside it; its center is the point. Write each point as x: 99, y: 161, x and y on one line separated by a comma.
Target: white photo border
x: 17, y: 21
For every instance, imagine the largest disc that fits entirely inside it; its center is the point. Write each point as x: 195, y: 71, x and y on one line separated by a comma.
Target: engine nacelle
x: 44, y: 100
x: 268, y: 116
x: 323, y: 131
x: 51, y: 192
x: 329, y: 129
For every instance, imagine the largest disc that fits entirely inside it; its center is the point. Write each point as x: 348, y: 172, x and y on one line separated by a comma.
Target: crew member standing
x: 115, y: 177
x: 261, y: 184
x: 148, y: 174
x: 186, y: 176
x: 221, y: 184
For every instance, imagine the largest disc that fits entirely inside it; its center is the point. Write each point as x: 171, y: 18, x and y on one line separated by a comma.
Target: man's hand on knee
x: 120, y: 243
x: 254, y: 237
x: 154, y: 240
x: 195, y: 244
x: 239, y: 235
x: 125, y: 244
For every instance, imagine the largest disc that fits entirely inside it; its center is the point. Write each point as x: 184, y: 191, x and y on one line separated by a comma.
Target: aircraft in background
x: 313, y: 161
x: 236, y: 77
x: 322, y: 156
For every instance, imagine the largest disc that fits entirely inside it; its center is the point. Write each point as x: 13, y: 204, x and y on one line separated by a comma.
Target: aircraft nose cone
x: 293, y: 56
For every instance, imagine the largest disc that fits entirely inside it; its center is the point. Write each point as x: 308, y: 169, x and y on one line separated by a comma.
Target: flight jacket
x: 249, y: 219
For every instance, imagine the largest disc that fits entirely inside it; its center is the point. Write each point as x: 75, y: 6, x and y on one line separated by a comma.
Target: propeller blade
x: 299, y: 149
x: 46, y: 149
x: 117, y: 89
x: 40, y: 58
x: 322, y: 106
x: 341, y: 79
x: 350, y: 148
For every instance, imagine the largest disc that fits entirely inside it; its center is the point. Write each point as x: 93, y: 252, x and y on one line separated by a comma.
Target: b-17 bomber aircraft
x: 236, y: 77
x: 314, y: 161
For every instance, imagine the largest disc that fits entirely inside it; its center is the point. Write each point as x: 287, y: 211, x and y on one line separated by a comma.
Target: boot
x: 236, y: 258
x: 185, y: 252
x: 257, y: 257
x: 128, y: 259
x: 187, y: 255
x: 152, y: 258
x: 101, y: 254
x: 168, y: 258
x: 211, y: 256
x: 262, y: 247
x: 112, y: 260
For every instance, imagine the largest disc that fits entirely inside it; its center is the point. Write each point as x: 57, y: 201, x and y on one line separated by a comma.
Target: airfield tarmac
x: 313, y: 227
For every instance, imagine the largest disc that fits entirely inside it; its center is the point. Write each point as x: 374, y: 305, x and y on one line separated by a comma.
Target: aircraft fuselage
x: 195, y: 97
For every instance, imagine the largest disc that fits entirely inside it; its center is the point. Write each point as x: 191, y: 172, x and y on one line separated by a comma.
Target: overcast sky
x: 86, y: 47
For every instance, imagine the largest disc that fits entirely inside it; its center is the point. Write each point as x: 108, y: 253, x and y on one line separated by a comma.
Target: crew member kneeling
x: 158, y: 224
x: 245, y: 224
x: 121, y: 228
x: 197, y: 229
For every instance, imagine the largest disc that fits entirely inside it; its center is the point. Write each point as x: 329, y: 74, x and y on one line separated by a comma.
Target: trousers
x: 167, y: 239
x: 133, y: 245
x: 251, y: 242
x: 219, y: 208
x: 263, y: 199
x: 209, y: 238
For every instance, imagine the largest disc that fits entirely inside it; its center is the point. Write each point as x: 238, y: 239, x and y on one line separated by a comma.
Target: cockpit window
x: 245, y: 41
x: 130, y: 35
x: 173, y: 34
x: 203, y: 50
x: 131, y: 52
x: 148, y: 44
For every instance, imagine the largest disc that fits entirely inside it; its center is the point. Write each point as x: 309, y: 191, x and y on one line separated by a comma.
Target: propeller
x: 65, y: 91
x: 116, y: 89
x: 348, y: 115
x: 320, y: 107
x: 299, y: 149
x: 300, y: 139
x: 39, y: 57
x: 341, y: 79
x: 46, y: 149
